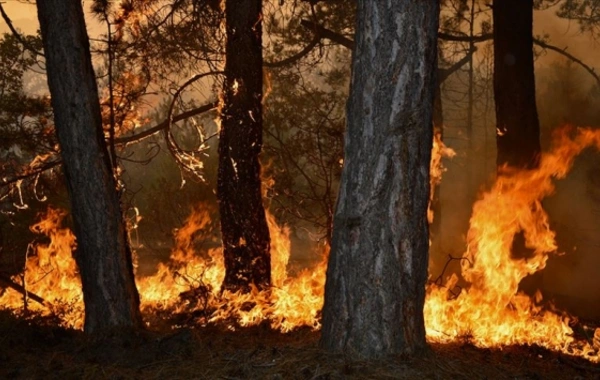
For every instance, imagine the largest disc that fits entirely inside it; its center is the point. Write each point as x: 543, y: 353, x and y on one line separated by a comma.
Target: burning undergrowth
x: 489, y: 312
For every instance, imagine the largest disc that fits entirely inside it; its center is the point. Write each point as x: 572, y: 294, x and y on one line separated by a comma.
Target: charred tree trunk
x: 246, y: 239
x: 103, y: 255
x: 517, y: 124
x: 375, y: 288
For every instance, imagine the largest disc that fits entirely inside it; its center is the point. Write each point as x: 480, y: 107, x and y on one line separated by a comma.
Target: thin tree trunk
x: 435, y: 229
x: 103, y: 255
x: 470, y: 108
x: 246, y: 239
x: 518, y: 130
x: 375, y: 288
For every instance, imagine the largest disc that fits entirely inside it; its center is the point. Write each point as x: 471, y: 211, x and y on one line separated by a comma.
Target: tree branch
x: 11, y: 284
x: 328, y: 34
x: 28, y: 174
x: 311, y: 45
x: 443, y: 74
x: 16, y: 33
x: 465, y: 38
x: 165, y: 124
x: 538, y: 42
x: 563, y: 52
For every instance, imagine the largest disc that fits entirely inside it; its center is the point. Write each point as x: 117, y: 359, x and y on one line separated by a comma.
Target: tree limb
x: 538, y: 42
x: 16, y: 33
x: 443, y: 74
x: 8, y: 282
x: 165, y: 124
x: 563, y: 52
x: 119, y: 141
x: 465, y: 38
x: 328, y: 34
x: 311, y: 45
x: 27, y: 174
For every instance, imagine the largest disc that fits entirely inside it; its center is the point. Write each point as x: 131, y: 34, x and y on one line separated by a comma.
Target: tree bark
x: 375, y: 289
x: 244, y: 229
x: 517, y: 124
x: 103, y: 254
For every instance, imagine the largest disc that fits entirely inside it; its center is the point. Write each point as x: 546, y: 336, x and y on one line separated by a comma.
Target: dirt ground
x: 36, y: 350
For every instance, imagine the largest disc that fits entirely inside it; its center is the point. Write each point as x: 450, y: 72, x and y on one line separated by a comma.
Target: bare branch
x: 165, y: 124
x: 311, y: 45
x: 329, y: 34
x: 16, y: 33
x: 465, y: 38
x: 28, y: 174
x: 443, y: 74
x: 563, y: 52
x: 11, y: 284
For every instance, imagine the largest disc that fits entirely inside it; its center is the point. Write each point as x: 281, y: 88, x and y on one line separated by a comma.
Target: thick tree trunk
x: 375, y: 287
x: 246, y: 239
x: 103, y: 254
x: 517, y: 125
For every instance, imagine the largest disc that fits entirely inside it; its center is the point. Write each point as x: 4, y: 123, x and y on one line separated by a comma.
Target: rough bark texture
x: 377, y: 270
x: 244, y: 229
x: 103, y: 255
x: 518, y: 130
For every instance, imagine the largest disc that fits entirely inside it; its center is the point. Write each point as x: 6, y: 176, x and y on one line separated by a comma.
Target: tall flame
x: 490, y: 310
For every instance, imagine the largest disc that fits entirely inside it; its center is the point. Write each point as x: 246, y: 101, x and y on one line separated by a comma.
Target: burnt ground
x: 34, y: 349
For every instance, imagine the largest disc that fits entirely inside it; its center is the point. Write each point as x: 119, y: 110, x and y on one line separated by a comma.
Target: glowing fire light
x: 490, y: 311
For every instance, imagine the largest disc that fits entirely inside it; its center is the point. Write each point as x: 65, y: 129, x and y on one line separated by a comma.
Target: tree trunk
x: 103, y: 254
x: 244, y: 229
x: 377, y: 270
x: 517, y: 124
x: 518, y: 130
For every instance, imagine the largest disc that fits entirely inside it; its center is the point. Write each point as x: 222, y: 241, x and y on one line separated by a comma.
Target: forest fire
x: 489, y: 311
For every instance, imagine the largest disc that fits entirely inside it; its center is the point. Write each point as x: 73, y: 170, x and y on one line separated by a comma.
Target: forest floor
x: 34, y: 350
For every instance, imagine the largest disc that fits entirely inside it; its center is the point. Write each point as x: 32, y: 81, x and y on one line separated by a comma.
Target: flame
x: 235, y: 87
x: 436, y: 168
x: 490, y: 310
x: 50, y: 273
x: 191, y: 283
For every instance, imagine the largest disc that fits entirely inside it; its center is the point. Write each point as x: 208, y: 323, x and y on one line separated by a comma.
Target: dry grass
x: 34, y: 349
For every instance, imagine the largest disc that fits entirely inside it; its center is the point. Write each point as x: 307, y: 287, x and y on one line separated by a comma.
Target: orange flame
x: 436, y: 168
x: 290, y: 303
x: 491, y: 311
x: 50, y: 273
